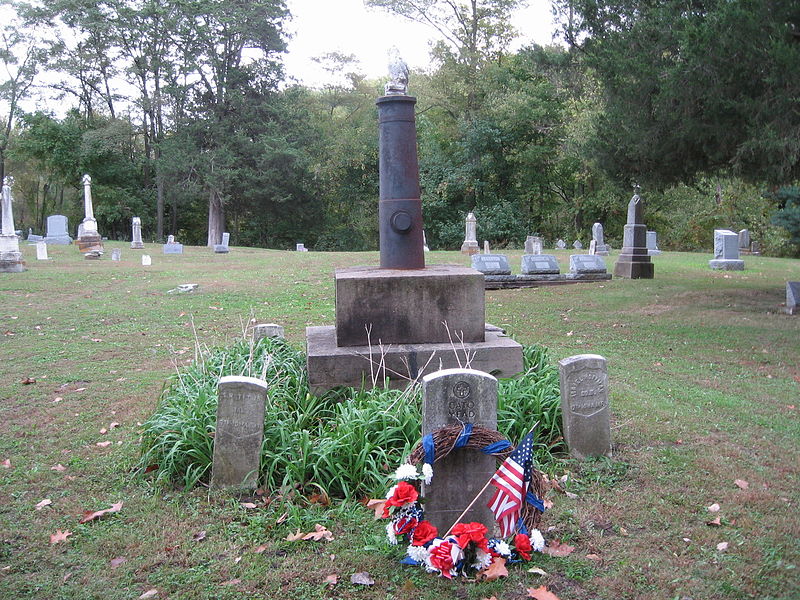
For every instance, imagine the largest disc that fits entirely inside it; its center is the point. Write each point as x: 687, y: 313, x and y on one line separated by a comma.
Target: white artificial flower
x: 427, y: 472
x: 390, y: 536
x: 537, y: 540
x: 482, y: 560
x: 390, y: 493
x: 418, y: 553
x: 405, y: 472
x: 503, y: 549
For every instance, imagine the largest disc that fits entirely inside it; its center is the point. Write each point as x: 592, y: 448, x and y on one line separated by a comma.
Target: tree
x: 692, y: 87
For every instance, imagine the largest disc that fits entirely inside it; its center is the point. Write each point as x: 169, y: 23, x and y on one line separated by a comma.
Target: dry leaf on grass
x: 722, y: 546
x: 6, y: 463
x: 319, y: 533
x: 541, y: 593
x: 331, y: 579
x: 105, y: 444
x: 293, y: 537
x: 115, y: 562
x: 496, y: 570
x: 377, y: 505
x: 741, y: 484
x: 715, y: 522
x: 103, y: 431
x: 594, y: 557
x: 537, y: 571
x: 91, y: 516
x: 43, y: 503
x: 713, y: 508
x: 149, y: 594
x: 113, y: 425
x: 28, y: 381
x: 492, y: 598
x: 362, y: 579
x: 556, y: 548
x: 199, y: 536
x: 59, y: 467
x: 231, y: 582
x: 322, y: 499
x: 248, y: 505
x: 59, y: 536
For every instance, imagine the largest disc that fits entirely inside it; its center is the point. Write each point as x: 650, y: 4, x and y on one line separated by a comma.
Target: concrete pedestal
x: 330, y: 365
x: 89, y: 241
x: 11, y: 262
x: 726, y: 264
x: 409, y: 306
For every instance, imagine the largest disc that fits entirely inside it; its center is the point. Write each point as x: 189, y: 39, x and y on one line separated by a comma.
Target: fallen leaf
x: 594, y: 557
x: 260, y: 549
x: 113, y: 425
x: 492, y: 598
x: 496, y: 570
x: 43, y: 503
x: 150, y: 468
x: 377, y: 505
x: 248, y: 505
x: 96, y: 340
x: 322, y: 499
x: 28, y: 381
x: 115, y: 562
x: 149, y: 594
x: 537, y: 571
x: 92, y: 515
x: 541, y: 593
x: 319, y: 533
x: 80, y: 390
x: 293, y: 537
x: 556, y: 548
x: 103, y: 431
x: 331, y: 579
x: 231, y: 582
x: 282, y: 518
x: 408, y: 586
x: 105, y: 444
x: 570, y: 333
x: 741, y: 484
x: 59, y: 536
x: 199, y: 536
x: 570, y: 495
x: 722, y: 546
x: 59, y: 467
x: 713, y: 508
x: 362, y: 579
x: 7, y: 463
x: 714, y: 523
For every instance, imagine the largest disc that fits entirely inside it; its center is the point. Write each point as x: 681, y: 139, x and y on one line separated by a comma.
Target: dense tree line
x: 183, y: 114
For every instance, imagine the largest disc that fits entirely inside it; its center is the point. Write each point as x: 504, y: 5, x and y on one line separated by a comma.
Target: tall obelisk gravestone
x: 634, y: 260
x: 89, y: 239
x: 10, y: 256
x: 402, y: 319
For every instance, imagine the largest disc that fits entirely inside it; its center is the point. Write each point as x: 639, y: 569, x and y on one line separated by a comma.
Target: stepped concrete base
x: 506, y: 282
x: 726, y: 264
x: 90, y: 242
x: 405, y: 306
x: 634, y: 270
x: 137, y: 245
x: 11, y: 262
x: 330, y: 366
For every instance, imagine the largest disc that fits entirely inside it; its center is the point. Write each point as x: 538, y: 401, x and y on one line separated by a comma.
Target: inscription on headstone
x: 539, y: 264
x: 584, y: 405
x: 240, y: 431
x: 491, y: 264
x: 457, y: 397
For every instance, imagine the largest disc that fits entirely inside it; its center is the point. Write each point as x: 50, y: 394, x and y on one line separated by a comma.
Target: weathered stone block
x: 584, y: 405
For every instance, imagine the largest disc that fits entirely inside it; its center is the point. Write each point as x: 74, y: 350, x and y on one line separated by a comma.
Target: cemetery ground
x: 705, y: 385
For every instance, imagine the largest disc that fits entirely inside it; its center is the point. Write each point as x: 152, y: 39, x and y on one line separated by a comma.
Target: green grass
x: 704, y: 381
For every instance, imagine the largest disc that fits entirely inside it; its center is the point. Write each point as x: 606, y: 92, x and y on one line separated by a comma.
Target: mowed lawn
x: 705, y: 390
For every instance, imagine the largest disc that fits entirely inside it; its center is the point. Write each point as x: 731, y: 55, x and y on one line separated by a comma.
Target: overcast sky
x: 346, y: 26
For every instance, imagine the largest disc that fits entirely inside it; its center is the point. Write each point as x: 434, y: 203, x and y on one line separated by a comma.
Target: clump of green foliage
x: 343, y: 443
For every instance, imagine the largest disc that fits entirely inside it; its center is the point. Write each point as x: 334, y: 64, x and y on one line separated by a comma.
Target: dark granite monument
x: 634, y: 260
x: 402, y: 319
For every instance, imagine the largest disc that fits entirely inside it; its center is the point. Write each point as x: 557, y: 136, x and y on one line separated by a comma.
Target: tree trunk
x: 216, y: 219
x: 160, y: 205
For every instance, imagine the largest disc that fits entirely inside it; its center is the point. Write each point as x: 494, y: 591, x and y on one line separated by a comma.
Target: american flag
x: 511, y: 481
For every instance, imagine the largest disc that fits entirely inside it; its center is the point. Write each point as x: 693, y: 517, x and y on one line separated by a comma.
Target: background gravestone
x: 726, y: 251
x: 491, y: 264
x: 136, y: 231
x: 57, y: 230
x: 470, y: 245
x: 584, y: 405
x: 223, y: 247
x: 41, y: 251
x: 268, y: 330
x: 240, y: 431
x: 792, y: 297
x: 561, y: 244
x: 586, y: 263
x: 455, y: 397
x: 172, y: 247
x: 652, y: 243
x: 539, y: 264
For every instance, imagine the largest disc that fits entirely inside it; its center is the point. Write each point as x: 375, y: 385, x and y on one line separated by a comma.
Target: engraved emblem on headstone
x: 461, y: 390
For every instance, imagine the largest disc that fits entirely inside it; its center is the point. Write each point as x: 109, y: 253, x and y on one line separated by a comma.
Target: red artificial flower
x: 471, y: 532
x: 424, y: 533
x: 404, y: 525
x: 523, y: 545
x: 442, y: 558
x: 404, y: 493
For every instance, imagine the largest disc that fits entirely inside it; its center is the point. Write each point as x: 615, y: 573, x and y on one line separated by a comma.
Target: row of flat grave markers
x: 539, y: 264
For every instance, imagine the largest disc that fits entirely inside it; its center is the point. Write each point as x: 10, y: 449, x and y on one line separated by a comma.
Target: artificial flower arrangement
x: 465, y: 550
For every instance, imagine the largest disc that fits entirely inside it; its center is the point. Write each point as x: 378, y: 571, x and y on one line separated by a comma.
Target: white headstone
x: 726, y: 251
x: 136, y: 241
x: 470, y: 245
x: 41, y: 251
x: 57, y: 230
x: 116, y: 254
x: 146, y: 261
